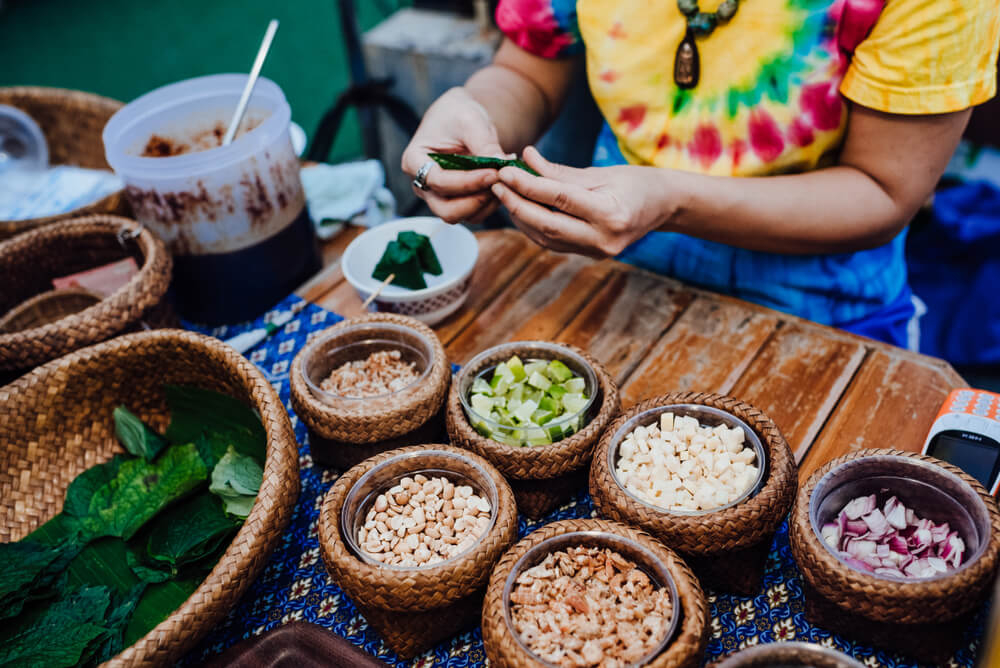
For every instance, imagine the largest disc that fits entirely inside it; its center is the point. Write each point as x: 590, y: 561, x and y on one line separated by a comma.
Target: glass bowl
x: 648, y: 562
x: 361, y: 497
x: 707, y: 416
x: 482, y: 366
x: 931, y: 491
x: 356, y: 342
x: 788, y: 655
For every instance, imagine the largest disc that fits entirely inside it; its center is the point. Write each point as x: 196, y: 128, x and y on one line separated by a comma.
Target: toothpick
x: 388, y: 279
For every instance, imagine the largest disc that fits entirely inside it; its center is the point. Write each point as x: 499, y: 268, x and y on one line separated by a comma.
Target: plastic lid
x: 22, y: 144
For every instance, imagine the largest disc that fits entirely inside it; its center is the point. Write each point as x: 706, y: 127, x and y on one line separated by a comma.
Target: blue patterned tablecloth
x: 295, y: 586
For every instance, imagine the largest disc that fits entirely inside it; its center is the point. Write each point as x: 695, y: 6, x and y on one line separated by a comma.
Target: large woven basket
x: 414, y: 609
x: 72, y: 122
x: 544, y: 476
x: 55, y: 422
x: 787, y: 654
x: 685, y: 650
x: 923, y: 619
x: 30, y: 261
x: 344, y: 435
x: 726, y: 548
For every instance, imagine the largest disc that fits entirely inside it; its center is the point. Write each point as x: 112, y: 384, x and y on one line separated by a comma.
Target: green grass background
x: 124, y: 48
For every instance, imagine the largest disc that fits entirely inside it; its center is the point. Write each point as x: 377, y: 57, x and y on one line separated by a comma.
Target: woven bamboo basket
x: 415, y: 608
x: 922, y: 619
x: 788, y: 654
x: 542, y: 477
x: 31, y: 260
x: 690, y: 636
x: 343, y: 432
x: 55, y: 422
x: 72, y: 122
x: 46, y: 308
x: 727, y: 548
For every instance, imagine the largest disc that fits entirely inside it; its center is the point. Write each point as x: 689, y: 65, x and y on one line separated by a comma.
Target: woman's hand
x: 596, y: 211
x: 455, y: 123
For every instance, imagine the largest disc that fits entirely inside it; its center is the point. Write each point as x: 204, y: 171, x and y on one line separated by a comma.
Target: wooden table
x: 829, y: 391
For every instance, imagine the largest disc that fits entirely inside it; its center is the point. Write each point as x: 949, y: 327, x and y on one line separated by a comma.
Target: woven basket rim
x: 689, y: 641
x: 267, y: 518
x: 144, y: 290
x: 373, y: 425
x: 713, y: 532
x: 448, y: 581
x: 43, y: 297
x: 814, y: 558
x: 542, y: 461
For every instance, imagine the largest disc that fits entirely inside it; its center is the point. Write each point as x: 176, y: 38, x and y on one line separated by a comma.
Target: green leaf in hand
x: 236, y: 480
x: 141, y: 489
x: 63, y: 635
x: 469, y: 162
x: 133, y: 433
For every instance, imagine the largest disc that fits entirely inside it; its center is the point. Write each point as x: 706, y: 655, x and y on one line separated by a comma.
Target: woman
x: 837, y: 117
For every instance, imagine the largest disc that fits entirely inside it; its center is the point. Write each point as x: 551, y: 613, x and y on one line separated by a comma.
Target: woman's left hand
x: 596, y: 211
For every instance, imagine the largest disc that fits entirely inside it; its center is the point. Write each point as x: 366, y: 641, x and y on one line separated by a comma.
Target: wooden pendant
x: 687, y: 67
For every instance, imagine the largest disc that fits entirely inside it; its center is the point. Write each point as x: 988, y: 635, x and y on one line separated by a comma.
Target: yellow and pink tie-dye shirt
x: 774, y: 81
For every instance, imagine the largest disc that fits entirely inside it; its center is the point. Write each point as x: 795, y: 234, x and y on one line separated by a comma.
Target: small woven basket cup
x: 30, y: 261
x: 923, y: 619
x: 788, y: 655
x: 72, y: 122
x: 689, y: 631
x: 415, y: 608
x: 542, y: 476
x: 56, y: 422
x: 47, y: 307
x: 726, y: 547
x: 345, y: 431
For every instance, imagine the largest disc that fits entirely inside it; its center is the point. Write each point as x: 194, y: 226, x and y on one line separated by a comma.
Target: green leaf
x: 195, y: 412
x: 135, y: 435
x: 141, y: 489
x: 189, y: 531
x: 403, y: 262
x: 118, y: 618
x: 421, y: 245
x: 146, y: 572
x: 236, y: 479
x: 63, y: 634
x: 84, y: 486
x: 468, y: 162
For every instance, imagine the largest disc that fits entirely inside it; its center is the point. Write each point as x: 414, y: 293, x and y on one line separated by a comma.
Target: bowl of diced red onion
x: 899, y: 518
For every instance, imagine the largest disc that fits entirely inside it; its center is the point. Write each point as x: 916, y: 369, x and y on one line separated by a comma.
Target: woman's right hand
x: 455, y: 123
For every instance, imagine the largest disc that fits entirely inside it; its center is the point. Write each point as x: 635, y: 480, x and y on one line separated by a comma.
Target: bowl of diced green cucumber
x: 528, y: 393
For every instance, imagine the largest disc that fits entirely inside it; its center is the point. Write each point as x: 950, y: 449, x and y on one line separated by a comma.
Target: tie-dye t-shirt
x: 772, y: 98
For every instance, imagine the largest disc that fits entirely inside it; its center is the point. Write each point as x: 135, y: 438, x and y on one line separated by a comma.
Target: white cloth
x: 60, y: 189
x: 351, y: 192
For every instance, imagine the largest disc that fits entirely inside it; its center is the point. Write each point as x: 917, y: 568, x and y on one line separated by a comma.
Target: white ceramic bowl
x: 456, y: 249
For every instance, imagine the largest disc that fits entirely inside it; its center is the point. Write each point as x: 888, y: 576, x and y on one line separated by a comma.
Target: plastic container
x: 22, y: 145
x: 233, y: 216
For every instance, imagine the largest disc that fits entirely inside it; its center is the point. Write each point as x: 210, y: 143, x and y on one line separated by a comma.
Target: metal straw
x: 258, y: 63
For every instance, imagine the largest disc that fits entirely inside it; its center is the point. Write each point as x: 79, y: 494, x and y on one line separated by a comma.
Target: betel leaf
x: 403, y: 264
x: 468, y: 162
x: 141, y: 489
x: 82, y: 489
x: 421, y: 245
x: 195, y: 412
x: 135, y: 435
x: 236, y: 479
x: 28, y: 571
x: 117, y: 620
x: 63, y: 634
x: 189, y: 531
x: 145, y: 571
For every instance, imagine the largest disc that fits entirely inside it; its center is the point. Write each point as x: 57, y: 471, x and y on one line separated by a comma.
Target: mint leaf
x: 236, y: 480
x: 133, y: 433
x: 63, y: 634
x: 189, y: 531
x: 118, y: 618
x: 141, y: 489
x: 195, y: 412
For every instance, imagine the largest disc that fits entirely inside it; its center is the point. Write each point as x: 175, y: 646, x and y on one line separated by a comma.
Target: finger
x: 554, y: 226
x: 457, y: 209
x: 454, y: 182
x: 570, y: 198
x: 485, y: 212
x: 564, y: 173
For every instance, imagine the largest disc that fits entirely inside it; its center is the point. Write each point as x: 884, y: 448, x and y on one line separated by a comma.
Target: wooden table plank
x: 330, y: 275
x: 503, y: 254
x: 707, y: 349
x: 537, y: 304
x: 797, y: 379
x: 626, y: 317
x: 890, y: 403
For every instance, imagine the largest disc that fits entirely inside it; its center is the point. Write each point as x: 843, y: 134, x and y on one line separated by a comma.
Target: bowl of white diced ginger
x: 687, y: 459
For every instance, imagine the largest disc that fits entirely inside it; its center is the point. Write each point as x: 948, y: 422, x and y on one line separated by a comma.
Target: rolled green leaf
x: 470, y: 162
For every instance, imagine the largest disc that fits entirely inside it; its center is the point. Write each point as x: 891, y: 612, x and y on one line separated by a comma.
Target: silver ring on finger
x: 420, y: 180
